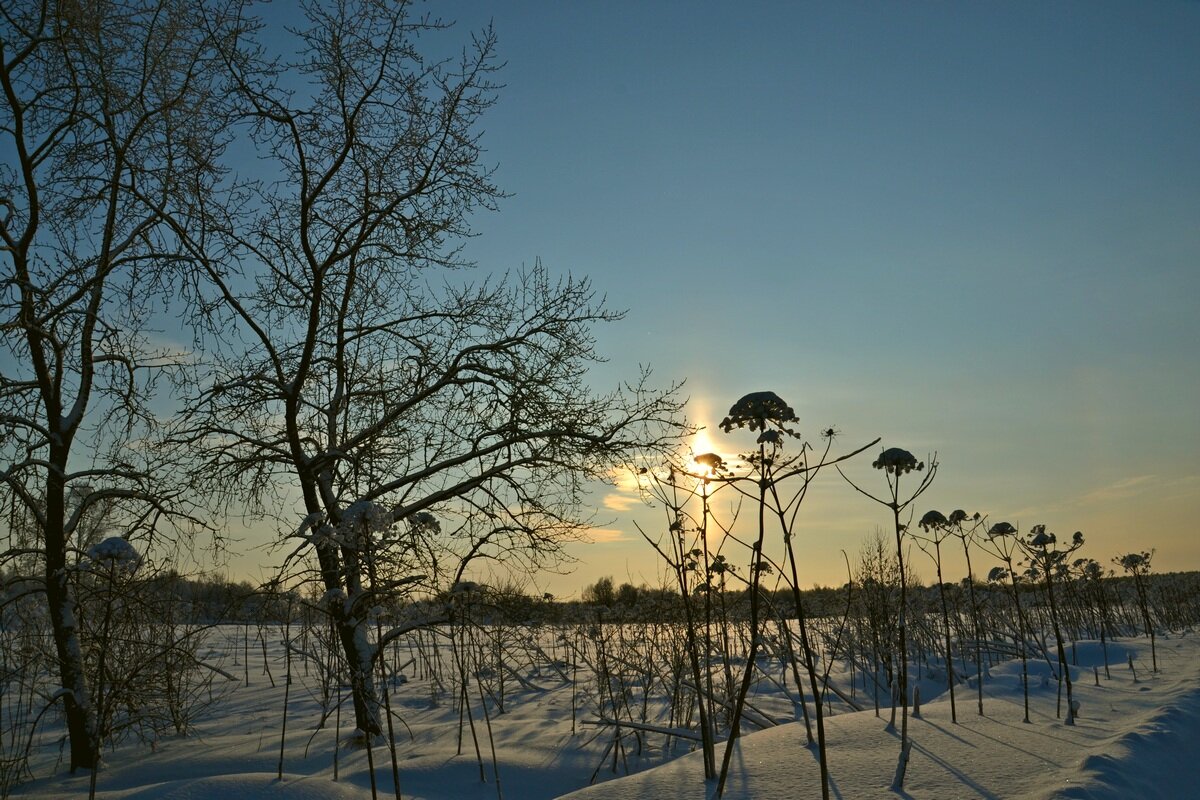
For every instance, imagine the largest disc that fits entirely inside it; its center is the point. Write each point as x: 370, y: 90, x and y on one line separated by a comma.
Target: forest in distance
x: 215, y: 600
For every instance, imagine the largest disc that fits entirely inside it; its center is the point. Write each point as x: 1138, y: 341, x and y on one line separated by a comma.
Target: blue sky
x: 970, y: 228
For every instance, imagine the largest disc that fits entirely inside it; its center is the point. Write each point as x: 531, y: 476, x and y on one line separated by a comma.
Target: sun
x: 700, y: 445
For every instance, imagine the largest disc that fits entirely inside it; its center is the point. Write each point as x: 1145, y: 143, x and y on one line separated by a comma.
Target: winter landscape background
x: 454, y: 399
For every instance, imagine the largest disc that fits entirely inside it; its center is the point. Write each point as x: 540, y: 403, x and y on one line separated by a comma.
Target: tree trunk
x: 77, y: 704
x: 359, y: 658
x: 351, y: 625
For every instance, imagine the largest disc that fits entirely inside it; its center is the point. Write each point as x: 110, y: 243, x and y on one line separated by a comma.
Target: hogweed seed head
x: 710, y: 461
x: 933, y: 519
x: 897, y: 461
x: 770, y: 437
x: 115, y: 553
x: 756, y: 410
x: 1040, y: 537
x: 1001, y: 529
x: 1133, y: 562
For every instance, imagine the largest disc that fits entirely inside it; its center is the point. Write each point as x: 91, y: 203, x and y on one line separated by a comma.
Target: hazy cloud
x: 1120, y: 490
x: 1181, y: 488
x: 615, y: 501
x: 606, y: 536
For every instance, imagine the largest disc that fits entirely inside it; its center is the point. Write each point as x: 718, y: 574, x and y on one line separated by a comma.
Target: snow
x: 364, y: 517
x: 1135, y: 737
x: 1115, y: 750
x: 312, y: 522
x: 114, y: 552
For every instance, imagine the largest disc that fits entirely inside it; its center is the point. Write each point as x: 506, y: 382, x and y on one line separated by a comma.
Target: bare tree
x: 104, y: 123
x: 354, y: 378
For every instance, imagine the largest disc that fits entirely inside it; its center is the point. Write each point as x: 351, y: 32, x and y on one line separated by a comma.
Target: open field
x: 528, y: 722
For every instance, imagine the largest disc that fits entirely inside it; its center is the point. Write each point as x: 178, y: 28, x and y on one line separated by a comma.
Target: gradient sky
x: 969, y: 228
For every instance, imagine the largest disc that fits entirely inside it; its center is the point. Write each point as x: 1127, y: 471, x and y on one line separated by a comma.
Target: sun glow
x: 701, y: 443
x: 702, y: 447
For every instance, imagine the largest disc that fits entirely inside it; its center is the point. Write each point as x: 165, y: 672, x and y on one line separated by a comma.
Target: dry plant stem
x: 337, y: 720
x: 246, y: 651
x: 705, y: 707
x: 678, y: 562
x: 947, y: 651
x: 287, y: 688
x: 902, y: 764
x: 1022, y: 632
x: 100, y: 696
x: 459, y: 653
x: 1138, y: 568
x: 368, y: 739
x: 788, y: 528
x: 815, y: 688
x: 262, y: 638
x: 383, y: 682
x: 756, y: 562
x: 1103, y: 602
x: 946, y: 621
x: 975, y: 621
x: 794, y: 664
x: 487, y: 719
x: 1022, y: 638
x: 892, y: 472
x: 1064, y: 667
x: 807, y: 651
x: 768, y: 484
x: 1046, y: 560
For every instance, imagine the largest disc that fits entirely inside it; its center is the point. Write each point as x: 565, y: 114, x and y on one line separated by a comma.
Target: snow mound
x: 1140, y: 761
x: 247, y: 786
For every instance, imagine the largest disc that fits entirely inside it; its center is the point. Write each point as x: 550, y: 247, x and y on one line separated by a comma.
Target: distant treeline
x: 1173, y: 594
x: 209, y: 599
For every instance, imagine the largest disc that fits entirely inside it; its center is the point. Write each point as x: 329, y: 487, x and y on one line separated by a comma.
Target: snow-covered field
x: 1136, y: 736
